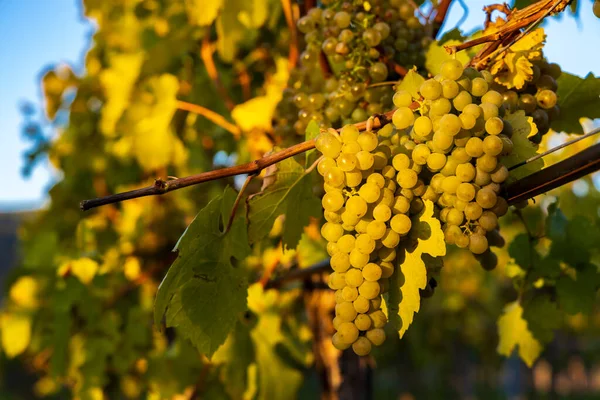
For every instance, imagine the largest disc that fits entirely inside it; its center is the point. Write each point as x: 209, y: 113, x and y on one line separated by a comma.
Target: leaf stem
x: 237, y: 202
x: 211, y: 116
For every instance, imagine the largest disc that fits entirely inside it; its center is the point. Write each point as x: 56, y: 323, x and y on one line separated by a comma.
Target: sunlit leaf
x: 523, y: 148
x: 514, y: 332
x: 16, y: 333
x: 577, y: 98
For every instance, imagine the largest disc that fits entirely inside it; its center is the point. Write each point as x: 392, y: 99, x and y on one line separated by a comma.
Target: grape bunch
x: 458, y: 136
x: 367, y: 202
x: 537, y: 98
x: 360, y: 42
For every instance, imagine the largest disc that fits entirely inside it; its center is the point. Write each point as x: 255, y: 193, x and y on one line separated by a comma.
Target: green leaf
x: 523, y: 127
x: 437, y: 54
x: 411, y: 83
x: 520, y: 249
x: 277, y: 379
x: 453, y: 34
x: 312, y: 131
x: 230, y: 31
x: 203, y: 293
x: 543, y: 317
x: 556, y: 223
x: 513, y: 331
x: 426, y: 238
x: 577, y: 98
x: 287, y: 189
x: 202, y: 12
x: 578, y: 295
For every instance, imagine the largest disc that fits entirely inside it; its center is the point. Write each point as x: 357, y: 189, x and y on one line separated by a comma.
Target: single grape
x: 451, y: 69
x: 430, y: 90
x: 486, y: 198
x: 365, y: 244
x: 400, y: 224
x: 369, y: 192
x: 340, y: 261
x: 465, y: 172
x: 363, y: 322
x: 339, y: 343
x: 376, y: 336
x: 347, y: 332
x: 422, y: 127
x: 494, y: 125
x: 403, y: 117
x: 407, y: 179
x: 362, y: 346
x: 479, y: 87
x: 402, y: 98
x: 477, y: 243
x: 361, y: 304
x: 449, y: 89
x: 349, y: 294
x: 372, y: 272
x: 376, y: 229
x: 546, y: 99
x: 378, y: 317
x: 354, y: 277
x: 390, y: 239
x: 462, y: 100
x: 358, y: 259
x: 333, y: 201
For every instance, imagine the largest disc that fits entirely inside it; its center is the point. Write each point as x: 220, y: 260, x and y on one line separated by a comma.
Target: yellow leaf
x: 426, y: 237
x: 513, y: 68
x: 117, y: 82
x: 513, y: 331
x: 16, y: 333
x: 84, y: 269
x: 202, y: 12
x: 132, y: 268
x: 260, y: 300
x: 24, y: 292
x: 437, y: 54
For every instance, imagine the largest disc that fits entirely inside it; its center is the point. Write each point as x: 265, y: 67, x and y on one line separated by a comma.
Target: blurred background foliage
x: 78, y: 309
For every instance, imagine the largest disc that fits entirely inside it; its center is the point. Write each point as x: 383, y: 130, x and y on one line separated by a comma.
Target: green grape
x: 488, y: 221
x: 356, y: 205
x: 382, y: 212
x: 477, y: 243
x: 331, y: 216
x: 473, y: 211
x: 400, y: 224
x: 361, y: 227
x: 390, y: 239
x: 449, y: 89
x: 369, y: 192
x: 401, y: 205
x: 465, y: 172
x: 342, y: 19
x: 358, y: 259
x: 369, y: 290
x: 442, y: 141
x: 510, y: 99
x: 473, y: 109
x: 401, y: 162
x: 337, y: 280
x: 492, y: 145
x: 440, y: 106
x: 422, y: 126
x: 461, y: 241
x: 346, y: 243
x: 465, y: 192
x: 376, y: 229
x: 328, y: 145
x: 363, y: 322
x: 378, y: 72
x: 365, y: 244
x: 332, y: 232
x: 450, y: 125
x: 501, y: 207
x: 378, y: 318
x: 451, y: 69
x: 402, y: 98
x: 436, y: 161
x: 325, y: 165
x: 482, y: 178
x: 349, y: 294
x: 367, y: 141
x: 338, y: 343
x: 388, y: 172
x: 347, y: 332
x: 349, y: 133
x: 387, y: 196
x: 376, y: 336
x: 479, y: 87
x: 362, y: 346
x: 451, y: 232
x: 527, y: 103
x: 494, y: 125
x: 546, y: 82
x: 462, y: 100
x: 487, y: 163
x: 377, y: 179
x: 332, y: 248
x: 493, y: 97
x: 546, y: 99
x: 305, y: 24
x: 361, y: 304
x: 486, y: 198
x: 489, y: 110
x: 372, y: 272
x: 365, y: 160
x: 387, y: 269
x: 454, y: 217
x: 420, y: 154
x: 407, y: 179
x: 450, y: 184
x: 346, y: 162
x: 371, y: 37
x: 403, y: 117
x: 351, y: 148
x: 386, y: 254
x: 354, y: 277
x: 340, y: 262
x: 349, y: 220
x: 334, y: 177
x: 333, y: 201
x: 430, y: 89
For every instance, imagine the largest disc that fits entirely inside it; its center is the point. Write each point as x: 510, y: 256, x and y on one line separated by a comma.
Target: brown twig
x: 161, y: 186
x: 211, y: 116
x: 440, y: 16
x: 289, y: 19
x: 298, y: 274
x: 206, y: 53
x: 237, y: 202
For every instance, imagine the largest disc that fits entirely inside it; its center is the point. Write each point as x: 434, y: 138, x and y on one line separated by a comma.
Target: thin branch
x: 440, y: 15
x: 289, y: 19
x: 211, y: 116
x: 552, y: 150
x: 161, y: 187
x: 206, y: 53
x: 298, y: 274
x: 237, y: 202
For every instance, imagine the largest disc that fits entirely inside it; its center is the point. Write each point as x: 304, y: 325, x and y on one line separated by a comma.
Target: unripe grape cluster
x: 458, y: 136
x: 537, y: 98
x: 368, y: 198
x: 359, y: 41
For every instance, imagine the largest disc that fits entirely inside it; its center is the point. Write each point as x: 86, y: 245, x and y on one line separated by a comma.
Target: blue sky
x: 38, y: 33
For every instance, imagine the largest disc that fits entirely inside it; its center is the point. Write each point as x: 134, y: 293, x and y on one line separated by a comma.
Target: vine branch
x: 161, y: 186
x: 210, y: 115
x: 440, y: 16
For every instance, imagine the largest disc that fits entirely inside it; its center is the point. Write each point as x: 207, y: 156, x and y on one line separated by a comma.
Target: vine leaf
x: 201, y: 12
x: 16, y: 333
x: 312, y: 131
x: 426, y: 239
x: 523, y: 127
x: 437, y: 54
x: 577, y: 98
x: 287, y: 190
x: 514, y: 331
x: 543, y: 317
x: 578, y: 295
x: 203, y: 293
x: 411, y: 83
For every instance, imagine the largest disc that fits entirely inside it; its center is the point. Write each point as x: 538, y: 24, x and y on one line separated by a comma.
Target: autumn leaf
x: 513, y: 331
x: 16, y: 333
